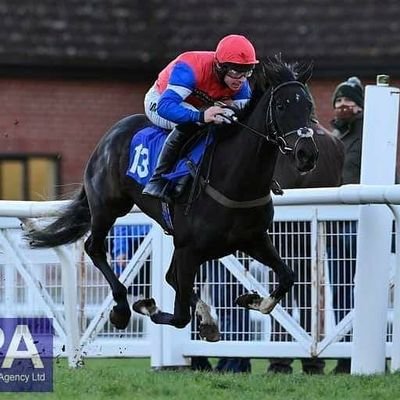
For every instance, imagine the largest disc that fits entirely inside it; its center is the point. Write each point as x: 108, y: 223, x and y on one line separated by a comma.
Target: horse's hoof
x: 146, y: 307
x: 249, y: 300
x: 268, y: 304
x: 120, y: 320
x: 209, y: 332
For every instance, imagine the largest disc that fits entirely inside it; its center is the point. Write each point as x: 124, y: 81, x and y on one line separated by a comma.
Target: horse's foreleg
x: 264, y: 251
x: 149, y: 308
x: 180, y: 276
x: 186, y: 264
x: 253, y: 301
x: 208, y: 327
x: 172, y: 280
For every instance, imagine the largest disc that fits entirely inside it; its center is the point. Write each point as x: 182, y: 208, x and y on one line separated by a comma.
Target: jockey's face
x: 234, y: 83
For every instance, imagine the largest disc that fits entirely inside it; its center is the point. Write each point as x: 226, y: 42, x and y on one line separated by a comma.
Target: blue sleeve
x: 182, y: 75
x: 170, y: 103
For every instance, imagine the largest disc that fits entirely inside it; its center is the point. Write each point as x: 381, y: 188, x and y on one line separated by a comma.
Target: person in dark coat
x: 348, y: 104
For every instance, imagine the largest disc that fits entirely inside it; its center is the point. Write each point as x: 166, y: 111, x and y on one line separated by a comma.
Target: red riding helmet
x: 235, y: 49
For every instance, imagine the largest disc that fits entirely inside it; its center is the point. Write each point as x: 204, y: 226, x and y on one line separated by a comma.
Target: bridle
x: 274, y: 135
x: 278, y: 136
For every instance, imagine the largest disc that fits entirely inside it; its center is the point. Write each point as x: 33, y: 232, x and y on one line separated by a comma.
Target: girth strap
x: 229, y: 203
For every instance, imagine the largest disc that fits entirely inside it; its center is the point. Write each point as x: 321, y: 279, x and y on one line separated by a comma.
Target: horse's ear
x: 272, y: 68
x: 259, y: 80
x: 305, y: 72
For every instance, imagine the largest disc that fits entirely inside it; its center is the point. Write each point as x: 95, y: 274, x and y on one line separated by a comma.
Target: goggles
x: 233, y: 73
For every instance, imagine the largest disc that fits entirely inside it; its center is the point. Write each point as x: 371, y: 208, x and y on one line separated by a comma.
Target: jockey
x: 184, y: 91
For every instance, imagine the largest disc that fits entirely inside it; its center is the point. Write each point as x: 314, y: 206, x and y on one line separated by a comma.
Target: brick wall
x: 68, y: 117
x: 63, y: 117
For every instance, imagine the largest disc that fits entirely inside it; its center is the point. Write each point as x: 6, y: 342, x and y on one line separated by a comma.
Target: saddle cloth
x: 144, y: 150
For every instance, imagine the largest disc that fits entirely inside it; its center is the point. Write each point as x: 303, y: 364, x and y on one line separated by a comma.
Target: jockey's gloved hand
x: 227, y: 116
x: 212, y: 113
x: 219, y: 115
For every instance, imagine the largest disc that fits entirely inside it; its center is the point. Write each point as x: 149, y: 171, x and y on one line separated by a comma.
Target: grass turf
x: 133, y: 379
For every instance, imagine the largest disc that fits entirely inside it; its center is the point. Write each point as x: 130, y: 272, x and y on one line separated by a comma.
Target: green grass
x: 133, y: 379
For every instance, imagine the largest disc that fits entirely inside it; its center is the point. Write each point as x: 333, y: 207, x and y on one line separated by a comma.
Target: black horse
x: 232, y: 211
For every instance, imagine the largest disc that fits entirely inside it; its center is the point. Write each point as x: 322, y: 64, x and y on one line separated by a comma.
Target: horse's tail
x: 70, y: 226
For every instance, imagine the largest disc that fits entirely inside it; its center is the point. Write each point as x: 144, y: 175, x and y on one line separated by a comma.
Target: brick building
x: 69, y: 69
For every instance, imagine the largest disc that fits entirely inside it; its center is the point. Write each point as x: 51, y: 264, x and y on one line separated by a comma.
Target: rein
x: 275, y: 137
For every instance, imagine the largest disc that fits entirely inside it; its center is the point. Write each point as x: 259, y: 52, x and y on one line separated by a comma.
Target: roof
x: 139, y: 36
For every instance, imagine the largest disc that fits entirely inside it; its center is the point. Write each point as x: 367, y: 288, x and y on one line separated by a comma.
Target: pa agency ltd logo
x: 26, y: 355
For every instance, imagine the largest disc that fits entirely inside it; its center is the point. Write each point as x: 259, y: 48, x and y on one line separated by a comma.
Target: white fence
x: 315, y: 319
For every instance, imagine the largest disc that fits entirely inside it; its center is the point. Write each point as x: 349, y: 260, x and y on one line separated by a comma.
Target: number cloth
x: 145, y: 148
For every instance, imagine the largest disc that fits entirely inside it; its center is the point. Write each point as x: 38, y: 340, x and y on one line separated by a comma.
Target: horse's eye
x: 279, y: 106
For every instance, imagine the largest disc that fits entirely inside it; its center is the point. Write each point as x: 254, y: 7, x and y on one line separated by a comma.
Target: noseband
x: 277, y: 137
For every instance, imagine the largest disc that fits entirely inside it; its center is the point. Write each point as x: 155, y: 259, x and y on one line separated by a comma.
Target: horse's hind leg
x: 95, y: 248
x: 264, y: 251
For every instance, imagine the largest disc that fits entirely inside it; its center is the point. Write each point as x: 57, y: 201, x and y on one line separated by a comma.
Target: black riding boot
x: 157, y: 185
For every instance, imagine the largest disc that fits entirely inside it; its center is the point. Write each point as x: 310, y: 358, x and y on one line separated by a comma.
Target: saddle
x: 145, y: 148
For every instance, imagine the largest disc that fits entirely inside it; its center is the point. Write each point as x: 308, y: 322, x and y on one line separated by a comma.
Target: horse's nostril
x: 301, y: 156
x: 305, y: 161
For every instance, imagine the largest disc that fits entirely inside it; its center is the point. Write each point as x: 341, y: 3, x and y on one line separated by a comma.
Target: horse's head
x: 289, y: 112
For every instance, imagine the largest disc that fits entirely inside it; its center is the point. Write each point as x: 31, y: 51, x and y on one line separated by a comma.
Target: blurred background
x: 70, y: 69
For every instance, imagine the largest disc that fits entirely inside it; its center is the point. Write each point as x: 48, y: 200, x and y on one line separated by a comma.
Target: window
x: 25, y: 177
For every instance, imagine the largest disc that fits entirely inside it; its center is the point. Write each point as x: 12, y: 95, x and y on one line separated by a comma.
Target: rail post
x: 378, y: 166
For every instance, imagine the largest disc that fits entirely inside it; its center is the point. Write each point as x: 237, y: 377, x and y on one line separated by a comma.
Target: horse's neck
x: 243, y: 165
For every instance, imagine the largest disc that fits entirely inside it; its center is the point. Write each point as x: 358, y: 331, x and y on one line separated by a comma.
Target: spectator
x: 348, y: 103
x: 125, y: 241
